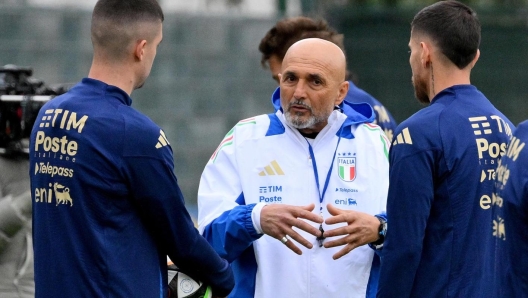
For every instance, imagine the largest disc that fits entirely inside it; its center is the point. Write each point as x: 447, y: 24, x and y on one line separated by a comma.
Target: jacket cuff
x: 255, y: 217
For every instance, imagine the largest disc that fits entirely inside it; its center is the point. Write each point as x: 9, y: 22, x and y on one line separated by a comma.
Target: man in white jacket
x: 314, y: 170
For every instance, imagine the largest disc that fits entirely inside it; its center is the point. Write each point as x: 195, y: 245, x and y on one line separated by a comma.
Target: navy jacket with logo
x: 510, y: 222
x: 107, y: 209
x: 442, y: 164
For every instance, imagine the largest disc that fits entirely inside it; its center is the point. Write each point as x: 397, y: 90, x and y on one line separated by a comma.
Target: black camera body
x: 21, y: 98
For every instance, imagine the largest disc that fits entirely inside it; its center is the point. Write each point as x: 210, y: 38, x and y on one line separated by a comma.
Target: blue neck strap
x: 314, y: 164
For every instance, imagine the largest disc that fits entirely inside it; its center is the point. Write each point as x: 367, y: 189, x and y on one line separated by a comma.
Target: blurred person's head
x: 444, y: 36
x: 126, y: 33
x: 288, y: 31
x: 312, y: 83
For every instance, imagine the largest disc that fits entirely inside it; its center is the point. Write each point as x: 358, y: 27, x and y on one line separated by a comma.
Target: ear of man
x: 342, y: 92
x: 139, y: 49
x: 425, y: 55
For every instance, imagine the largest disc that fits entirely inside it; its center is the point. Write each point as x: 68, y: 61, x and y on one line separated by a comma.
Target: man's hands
x: 362, y: 229
x: 278, y: 221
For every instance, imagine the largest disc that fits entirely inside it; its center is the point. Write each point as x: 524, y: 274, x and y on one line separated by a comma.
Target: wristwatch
x: 382, y: 232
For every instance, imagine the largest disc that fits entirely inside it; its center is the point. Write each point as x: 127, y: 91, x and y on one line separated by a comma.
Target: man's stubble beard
x: 420, y: 90
x: 296, y: 119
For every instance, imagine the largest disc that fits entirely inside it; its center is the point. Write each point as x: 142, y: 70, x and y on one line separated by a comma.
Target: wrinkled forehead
x: 308, y: 65
x: 313, y: 59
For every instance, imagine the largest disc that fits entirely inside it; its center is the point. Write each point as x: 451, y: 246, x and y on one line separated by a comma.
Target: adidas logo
x: 403, y: 137
x: 162, y: 140
x: 272, y: 169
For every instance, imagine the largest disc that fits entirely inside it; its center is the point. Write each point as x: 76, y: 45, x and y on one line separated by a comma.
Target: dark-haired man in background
x: 107, y: 206
x: 442, y: 164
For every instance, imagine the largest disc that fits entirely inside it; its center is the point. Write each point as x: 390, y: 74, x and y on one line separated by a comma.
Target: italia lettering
x: 55, y: 144
x: 347, y: 161
x: 270, y: 199
x: 493, y: 149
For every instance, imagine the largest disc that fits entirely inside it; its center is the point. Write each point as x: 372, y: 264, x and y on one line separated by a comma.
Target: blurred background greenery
x: 207, y: 74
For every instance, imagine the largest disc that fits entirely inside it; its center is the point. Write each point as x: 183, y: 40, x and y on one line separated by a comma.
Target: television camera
x: 21, y: 98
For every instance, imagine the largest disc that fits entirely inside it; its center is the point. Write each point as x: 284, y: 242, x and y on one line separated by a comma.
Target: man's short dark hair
x: 454, y: 27
x: 113, y: 21
x: 289, y: 31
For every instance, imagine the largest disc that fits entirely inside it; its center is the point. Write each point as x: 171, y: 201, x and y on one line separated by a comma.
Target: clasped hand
x: 278, y: 221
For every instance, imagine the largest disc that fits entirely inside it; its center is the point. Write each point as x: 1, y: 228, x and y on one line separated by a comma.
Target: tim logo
x: 348, y: 202
x: 346, y: 168
x: 63, y: 119
x: 270, y: 189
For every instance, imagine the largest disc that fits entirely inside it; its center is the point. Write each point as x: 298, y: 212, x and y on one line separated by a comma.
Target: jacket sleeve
x: 408, y: 208
x: 385, y: 120
x: 157, y: 194
x: 223, y: 216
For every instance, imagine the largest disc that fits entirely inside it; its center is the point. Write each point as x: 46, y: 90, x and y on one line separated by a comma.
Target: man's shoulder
x: 141, y: 135
x: 522, y: 130
x: 259, y: 126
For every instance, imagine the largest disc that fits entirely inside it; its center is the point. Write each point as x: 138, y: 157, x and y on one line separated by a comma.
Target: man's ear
x: 342, y: 92
x: 425, y: 56
x: 139, y: 51
x: 279, y: 75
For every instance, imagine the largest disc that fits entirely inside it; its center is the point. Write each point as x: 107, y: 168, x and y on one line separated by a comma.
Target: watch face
x: 384, y: 229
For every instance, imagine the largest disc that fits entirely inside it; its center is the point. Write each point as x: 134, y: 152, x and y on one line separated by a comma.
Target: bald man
x: 277, y: 182
x: 107, y: 209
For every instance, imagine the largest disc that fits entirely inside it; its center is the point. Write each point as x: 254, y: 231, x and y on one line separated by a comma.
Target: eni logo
x: 45, y: 195
x: 62, y: 194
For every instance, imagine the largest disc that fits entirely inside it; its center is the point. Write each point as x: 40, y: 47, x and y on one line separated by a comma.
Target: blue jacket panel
x: 107, y: 209
x: 510, y: 219
x: 442, y: 164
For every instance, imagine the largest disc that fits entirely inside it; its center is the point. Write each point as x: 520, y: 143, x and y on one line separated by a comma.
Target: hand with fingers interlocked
x: 278, y: 221
x: 361, y: 229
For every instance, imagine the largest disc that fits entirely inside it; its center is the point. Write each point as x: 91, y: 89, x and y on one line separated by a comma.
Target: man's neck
x: 314, y: 130
x: 112, y: 74
x: 443, y: 78
x: 312, y: 135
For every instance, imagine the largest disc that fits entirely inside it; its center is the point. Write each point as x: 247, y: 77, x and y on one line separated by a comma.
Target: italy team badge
x: 346, y: 168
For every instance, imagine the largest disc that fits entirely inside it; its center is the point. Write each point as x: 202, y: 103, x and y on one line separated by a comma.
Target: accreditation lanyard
x: 316, y: 174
